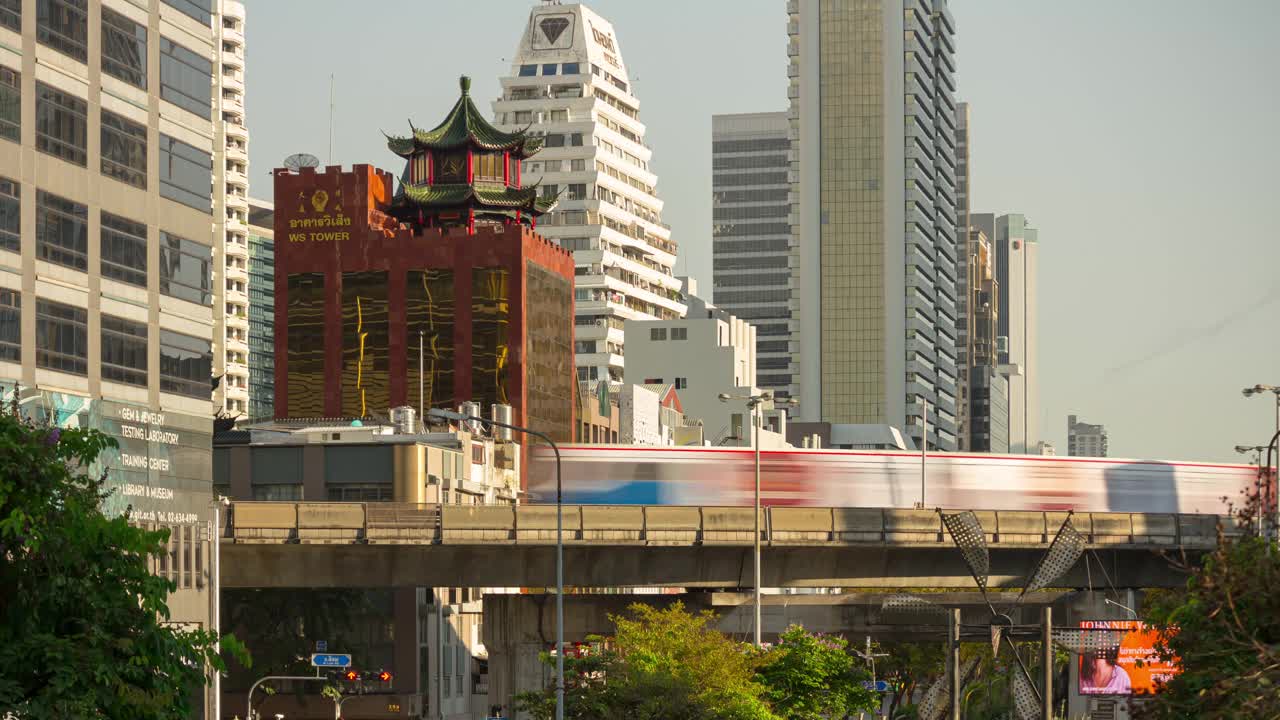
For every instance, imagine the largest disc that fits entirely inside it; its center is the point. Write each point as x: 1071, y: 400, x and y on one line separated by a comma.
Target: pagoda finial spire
x: 464, y: 82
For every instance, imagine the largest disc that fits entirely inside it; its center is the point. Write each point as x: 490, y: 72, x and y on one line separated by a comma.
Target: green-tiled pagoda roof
x: 464, y: 126
x: 499, y: 197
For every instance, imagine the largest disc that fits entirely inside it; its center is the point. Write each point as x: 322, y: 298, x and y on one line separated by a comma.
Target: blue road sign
x: 333, y: 660
x: 877, y: 686
x: 322, y: 646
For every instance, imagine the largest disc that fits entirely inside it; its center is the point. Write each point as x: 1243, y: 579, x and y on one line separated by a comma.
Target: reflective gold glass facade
x: 306, y: 345
x: 852, y: 221
x: 548, y: 353
x: 365, y: 358
x: 490, y: 318
x: 430, y: 309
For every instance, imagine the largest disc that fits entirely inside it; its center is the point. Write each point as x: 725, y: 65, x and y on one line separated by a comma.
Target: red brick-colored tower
x: 367, y: 275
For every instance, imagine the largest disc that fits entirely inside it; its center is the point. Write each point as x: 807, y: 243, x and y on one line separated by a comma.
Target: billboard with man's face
x: 1132, y: 667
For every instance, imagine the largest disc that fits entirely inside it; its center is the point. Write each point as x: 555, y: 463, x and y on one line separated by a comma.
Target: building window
x: 549, y: 69
x: 277, y: 493
x: 11, y: 325
x: 186, y: 365
x: 679, y: 333
x: 124, y: 150
x: 656, y: 334
x: 570, y: 69
x: 10, y: 215
x: 185, y: 269
x: 62, y: 337
x: 528, y: 70
x: 62, y: 231
x: 682, y: 383
x: 61, y: 124
x: 186, y: 79
x: 124, y: 351
x: 124, y: 48
x: 10, y: 104
x: 578, y: 191
x: 123, y: 245
x: 198, y: 9
x: 186, y: 174
x: 11, y: 14
x: 575, y: 139
x: 64, y: 26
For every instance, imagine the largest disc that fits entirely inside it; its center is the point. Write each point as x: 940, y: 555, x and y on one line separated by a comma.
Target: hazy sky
x: 1139, y: 137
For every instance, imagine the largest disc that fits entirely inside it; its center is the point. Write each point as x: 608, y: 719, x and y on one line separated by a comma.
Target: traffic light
x: 352, y: 676
x: 385, y: 676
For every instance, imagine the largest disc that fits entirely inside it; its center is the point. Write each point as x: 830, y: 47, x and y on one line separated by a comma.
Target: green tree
x: 83, y: 622
x: 662, y: 664
x: 812, y: 677
x: 1224, y: 626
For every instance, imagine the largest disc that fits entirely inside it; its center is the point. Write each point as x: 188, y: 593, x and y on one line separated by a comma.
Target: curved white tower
x: 231, y: 208
x: 569, y: 84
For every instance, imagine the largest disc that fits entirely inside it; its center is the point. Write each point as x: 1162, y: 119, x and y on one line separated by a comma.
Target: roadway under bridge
x: 396, y: 545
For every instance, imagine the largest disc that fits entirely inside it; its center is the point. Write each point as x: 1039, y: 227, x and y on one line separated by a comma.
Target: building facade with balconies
x: 231, y: 217
x: 568, y: 84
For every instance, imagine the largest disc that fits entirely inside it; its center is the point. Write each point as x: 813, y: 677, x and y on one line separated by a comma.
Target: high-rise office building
x: 262, y: 302
x: 568, y: 85
x: 965, y: 279
x: 988, y: 407
x: 1085, y: 440
x: 750, y: 234
x: 107, y: 130
x: 231, y: 213
x: 874, y: 213
x: 1017, y: 253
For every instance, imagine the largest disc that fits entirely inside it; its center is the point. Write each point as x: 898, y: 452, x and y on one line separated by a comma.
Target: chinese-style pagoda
x: 465, y: 171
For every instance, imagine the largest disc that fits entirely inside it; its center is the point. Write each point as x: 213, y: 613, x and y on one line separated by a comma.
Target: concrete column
x: 953, y: 662
x: 313, y: 488
x: 241, y: 471
x: 1046, y: 651
x: 405, y: 650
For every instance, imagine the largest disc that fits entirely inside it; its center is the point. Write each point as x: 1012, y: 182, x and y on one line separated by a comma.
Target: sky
x: 1139, y: 138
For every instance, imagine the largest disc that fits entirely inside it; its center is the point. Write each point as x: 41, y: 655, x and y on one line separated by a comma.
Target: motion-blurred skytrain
x: 640, y: 475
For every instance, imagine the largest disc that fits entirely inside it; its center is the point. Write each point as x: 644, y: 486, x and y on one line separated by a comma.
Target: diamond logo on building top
x: 553, y: 27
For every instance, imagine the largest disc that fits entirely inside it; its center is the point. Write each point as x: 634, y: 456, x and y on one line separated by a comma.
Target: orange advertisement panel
x: 1133, y: 667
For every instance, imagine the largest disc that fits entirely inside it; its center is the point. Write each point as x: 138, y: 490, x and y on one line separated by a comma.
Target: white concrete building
x: 750, y: 234
x: 1017, y: 258
x: 706, y: 353
x: 874, y: 297
x: 568, y: 84
x: 231, y: 215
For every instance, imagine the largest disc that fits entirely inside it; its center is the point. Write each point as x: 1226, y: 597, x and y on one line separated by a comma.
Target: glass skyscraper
x: 874, y: 214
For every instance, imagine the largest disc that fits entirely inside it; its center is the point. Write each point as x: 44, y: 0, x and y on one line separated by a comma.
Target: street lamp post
x: 1258, y: 390
x: 754, y: 402
x: 441, y: 414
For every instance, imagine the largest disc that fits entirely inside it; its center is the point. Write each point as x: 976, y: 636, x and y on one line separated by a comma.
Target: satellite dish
x: 301, y: 160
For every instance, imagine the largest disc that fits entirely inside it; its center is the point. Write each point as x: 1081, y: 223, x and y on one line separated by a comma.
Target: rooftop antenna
x: 330, y: 118
x: 301, y: 160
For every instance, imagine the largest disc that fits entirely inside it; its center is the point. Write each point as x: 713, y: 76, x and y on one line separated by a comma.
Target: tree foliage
x: 1224, y: 626
x: 669, y: 664
x: 812, y: 677
x: 83, y: 622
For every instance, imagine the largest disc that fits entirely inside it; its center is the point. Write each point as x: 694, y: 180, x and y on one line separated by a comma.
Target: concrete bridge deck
x: 267, y: 544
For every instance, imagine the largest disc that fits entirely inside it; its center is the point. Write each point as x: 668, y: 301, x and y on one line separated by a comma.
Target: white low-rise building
x: 707, y: 353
